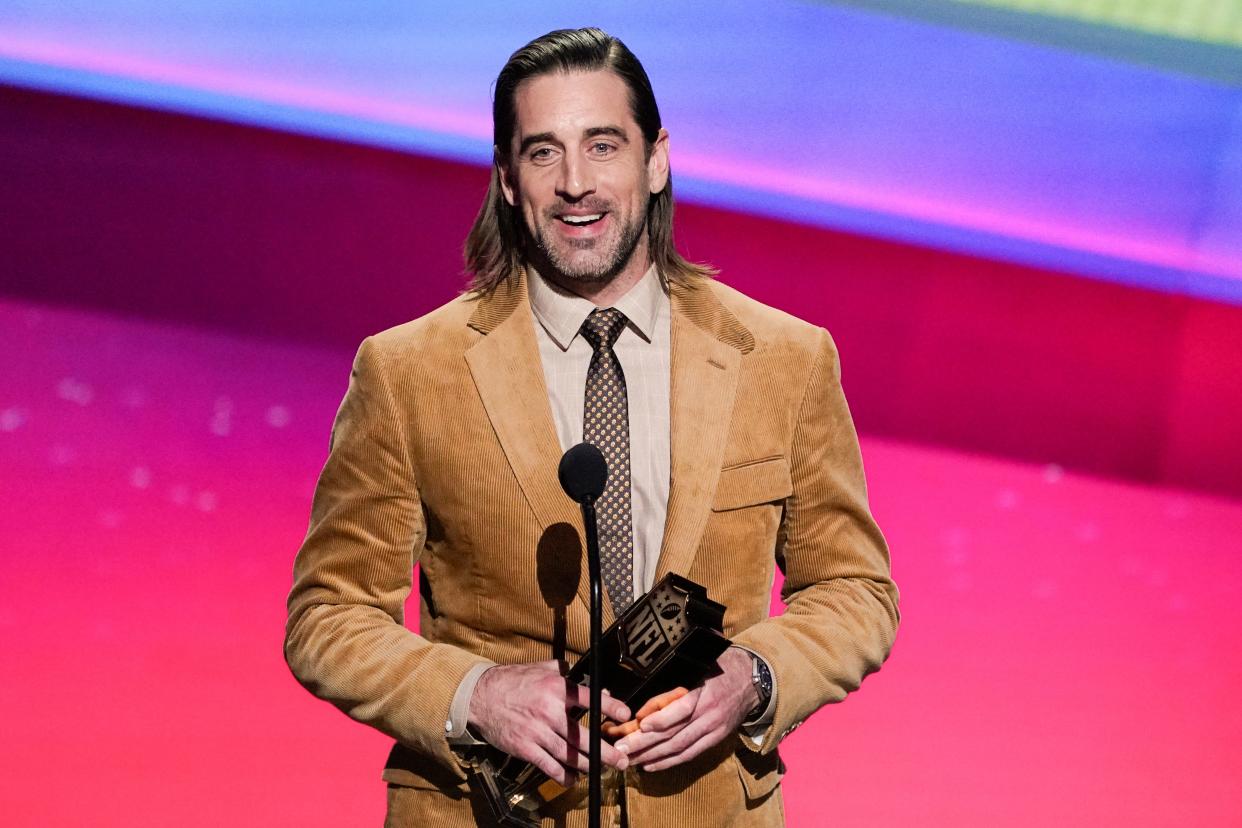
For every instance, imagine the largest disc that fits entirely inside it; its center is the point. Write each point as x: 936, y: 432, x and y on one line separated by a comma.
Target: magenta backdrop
x: 1068, y: 652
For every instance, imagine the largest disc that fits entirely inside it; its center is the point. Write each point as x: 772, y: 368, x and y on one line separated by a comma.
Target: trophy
x: 668, y: 638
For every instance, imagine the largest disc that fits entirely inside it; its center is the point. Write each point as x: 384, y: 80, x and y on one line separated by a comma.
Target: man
x: 730, y: 447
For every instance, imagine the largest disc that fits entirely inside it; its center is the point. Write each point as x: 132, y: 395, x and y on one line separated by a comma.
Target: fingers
x: 613, y: 709
x: 654, y: 704
x: 549, y: 752
x: 659, y: 702
x: 573, y: 756
x: 563, y: 760
x: 656, y: 746
x: 560, y: 759
x: 569, y: 742
x: 552, y: 767
x: 692, y: 750
x: 674, y: 715
x: 579, y: 696
x: 661, y: 726
x: 616, y: 731
x: 609, y: 754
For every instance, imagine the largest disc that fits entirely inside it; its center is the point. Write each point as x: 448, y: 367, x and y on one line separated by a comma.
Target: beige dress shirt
x: 644, y: 349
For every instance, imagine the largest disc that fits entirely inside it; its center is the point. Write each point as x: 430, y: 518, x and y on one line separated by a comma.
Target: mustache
x: 589, y: 204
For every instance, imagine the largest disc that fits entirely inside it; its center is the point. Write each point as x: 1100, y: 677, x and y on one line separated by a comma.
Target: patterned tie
x: 606, y: 424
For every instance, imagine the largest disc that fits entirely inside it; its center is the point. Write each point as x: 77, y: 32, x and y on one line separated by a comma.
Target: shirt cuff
x: 756, y: 729
x: 459, y: 710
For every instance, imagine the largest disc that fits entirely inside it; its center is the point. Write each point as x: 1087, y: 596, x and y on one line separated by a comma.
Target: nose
x: 576, y: 179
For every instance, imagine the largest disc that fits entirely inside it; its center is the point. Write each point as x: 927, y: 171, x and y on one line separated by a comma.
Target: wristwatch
x: 761, y: 679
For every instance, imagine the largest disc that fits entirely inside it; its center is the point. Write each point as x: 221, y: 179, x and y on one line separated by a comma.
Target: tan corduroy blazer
x: 444, y: 453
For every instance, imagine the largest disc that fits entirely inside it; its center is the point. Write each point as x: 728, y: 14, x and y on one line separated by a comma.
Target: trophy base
x: 514, y: 810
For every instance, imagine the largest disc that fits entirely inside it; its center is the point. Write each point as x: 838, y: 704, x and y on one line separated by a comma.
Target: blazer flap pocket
x: 760, y: 481
x: 760, y: 772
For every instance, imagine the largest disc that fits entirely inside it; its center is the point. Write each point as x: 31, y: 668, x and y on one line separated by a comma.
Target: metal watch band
x: 761, y: 679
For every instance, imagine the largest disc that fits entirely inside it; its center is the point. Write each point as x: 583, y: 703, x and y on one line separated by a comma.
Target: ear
x: 657, y: 163
x: 504, y: 173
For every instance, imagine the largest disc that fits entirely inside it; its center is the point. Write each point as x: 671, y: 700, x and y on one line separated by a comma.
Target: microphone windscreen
x: 583, y: 472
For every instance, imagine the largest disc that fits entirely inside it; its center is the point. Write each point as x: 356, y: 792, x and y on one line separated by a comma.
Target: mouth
x: 585, y: 220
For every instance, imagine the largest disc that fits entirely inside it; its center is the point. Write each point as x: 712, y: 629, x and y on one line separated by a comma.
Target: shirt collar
x: 562, y: 313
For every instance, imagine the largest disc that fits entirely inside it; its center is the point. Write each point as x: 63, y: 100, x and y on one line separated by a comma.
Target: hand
x: 531, y: 711
x: 698, y: 720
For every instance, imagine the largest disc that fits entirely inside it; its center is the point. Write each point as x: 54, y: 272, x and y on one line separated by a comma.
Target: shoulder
x: 773, y: 329
x: 442, y: 332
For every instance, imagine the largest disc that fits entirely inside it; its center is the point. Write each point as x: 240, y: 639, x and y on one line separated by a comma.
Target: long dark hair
x: 493, y: 248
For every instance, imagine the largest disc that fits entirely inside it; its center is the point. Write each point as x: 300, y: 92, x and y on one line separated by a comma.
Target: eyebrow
x: 615, y: 132
x: 592, y: 132
x: 538, y: 138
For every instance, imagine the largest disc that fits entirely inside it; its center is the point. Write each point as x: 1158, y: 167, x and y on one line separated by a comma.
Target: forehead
x: 567, y: 103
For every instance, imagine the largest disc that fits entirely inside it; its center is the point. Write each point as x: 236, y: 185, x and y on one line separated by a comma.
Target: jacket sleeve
x: 841, y: 612
x: 345, y: 639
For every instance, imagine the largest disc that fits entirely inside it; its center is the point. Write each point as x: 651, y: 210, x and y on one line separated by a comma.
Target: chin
x: 594, y: 276
x: 596, y: 262
x: 587, y: 273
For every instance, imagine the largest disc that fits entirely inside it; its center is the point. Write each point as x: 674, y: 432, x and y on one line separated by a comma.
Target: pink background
x: 1068, y: 653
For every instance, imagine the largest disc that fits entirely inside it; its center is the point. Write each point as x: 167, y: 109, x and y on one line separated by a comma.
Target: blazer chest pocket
x: 753, y: 483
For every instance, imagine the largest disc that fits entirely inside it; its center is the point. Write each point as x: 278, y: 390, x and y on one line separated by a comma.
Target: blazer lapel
x: 508, y: 373
x: 707, y: 347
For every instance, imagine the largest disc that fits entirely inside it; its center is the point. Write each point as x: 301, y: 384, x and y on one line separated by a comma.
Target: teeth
x: 582, y: 219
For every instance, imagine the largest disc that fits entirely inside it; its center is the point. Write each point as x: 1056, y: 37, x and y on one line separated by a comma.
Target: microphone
x: 584, y: 474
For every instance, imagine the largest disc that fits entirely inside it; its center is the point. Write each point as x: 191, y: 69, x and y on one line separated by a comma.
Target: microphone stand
x: 583, y: 473
x: 595, y: 795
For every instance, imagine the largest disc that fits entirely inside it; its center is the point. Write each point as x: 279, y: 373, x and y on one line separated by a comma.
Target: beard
x: 612, y: 252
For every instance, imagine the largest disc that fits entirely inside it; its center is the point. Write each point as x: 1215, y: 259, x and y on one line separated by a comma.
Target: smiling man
x: 730, y: 448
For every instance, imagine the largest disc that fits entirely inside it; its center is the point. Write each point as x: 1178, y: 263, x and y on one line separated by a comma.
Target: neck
x: 603, y: 294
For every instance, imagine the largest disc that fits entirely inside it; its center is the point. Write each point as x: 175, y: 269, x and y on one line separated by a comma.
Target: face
x: 581, y: 174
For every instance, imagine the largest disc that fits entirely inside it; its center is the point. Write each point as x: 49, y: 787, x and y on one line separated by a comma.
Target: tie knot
x: 603, y: 327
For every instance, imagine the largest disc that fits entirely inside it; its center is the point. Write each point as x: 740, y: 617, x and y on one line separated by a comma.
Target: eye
x: 543, y: 156
x: 601, y: 148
